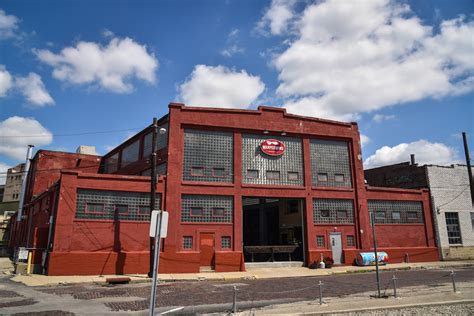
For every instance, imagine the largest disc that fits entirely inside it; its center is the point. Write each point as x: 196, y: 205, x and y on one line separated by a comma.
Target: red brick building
x: 232, y: 182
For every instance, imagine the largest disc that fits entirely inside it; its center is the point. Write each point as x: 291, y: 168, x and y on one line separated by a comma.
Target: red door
x: 206, y: 248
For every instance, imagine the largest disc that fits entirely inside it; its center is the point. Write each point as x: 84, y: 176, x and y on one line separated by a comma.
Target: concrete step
x: 276, y: 264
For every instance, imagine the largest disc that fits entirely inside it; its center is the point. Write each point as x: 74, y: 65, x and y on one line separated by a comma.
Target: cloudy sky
x: 94, y: 72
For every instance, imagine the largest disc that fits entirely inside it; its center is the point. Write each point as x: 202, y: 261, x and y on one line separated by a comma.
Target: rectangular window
x: 396, y: 216
x: 144, y: 210
x: 94, y: 208
x: 341, y: 214
x: 293, y: 176
x: 252, y: 174
x: 412, y: 216
x: 218, y: 172
x: 322, y: 177
x: 338, y: 177
x: 380, y: 215
x: 111, y: 163
x: 197, y: 171
x: 218, y: 211
x: 472, y: 221
x: 121, y: 208
x: 320, y: 241
x: 350, y: 241
x: 225, y: 242
x: 187, y: 242
x: 130, y: 153
x: 196, y: 211
x: 147, y: 141
x: 452, y: 226
x: 273, y: 175
x: 325, y: 213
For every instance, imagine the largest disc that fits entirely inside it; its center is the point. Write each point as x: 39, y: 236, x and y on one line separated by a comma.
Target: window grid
x: 350, y: 241
x: 207, y: 203
x: 209, y: 150
x: 331, y: 207
x: 320, y: 241
x: 254, y: 159
x: 110, y: 199
x: 396, y: 212
x: 332, y: 159
x: 130, y: 153
x: 453, y: 229
x: 188, y: 242
x: 225, y: 242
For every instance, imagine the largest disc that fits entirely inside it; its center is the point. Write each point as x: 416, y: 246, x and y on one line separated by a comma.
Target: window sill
x: 208, y: 184
x: 333, y: 189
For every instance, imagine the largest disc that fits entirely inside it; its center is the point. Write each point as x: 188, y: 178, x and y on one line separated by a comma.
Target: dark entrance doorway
x: 273, y: 229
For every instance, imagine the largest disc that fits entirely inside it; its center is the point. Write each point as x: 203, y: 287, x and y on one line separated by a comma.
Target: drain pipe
x: 23, y: 182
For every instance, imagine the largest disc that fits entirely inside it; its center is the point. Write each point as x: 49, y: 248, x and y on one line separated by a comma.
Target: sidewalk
x: 256, y: 273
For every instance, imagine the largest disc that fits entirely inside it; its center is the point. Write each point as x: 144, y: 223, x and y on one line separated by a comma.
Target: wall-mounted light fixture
x: 265, y: 132
x: 283, y: 133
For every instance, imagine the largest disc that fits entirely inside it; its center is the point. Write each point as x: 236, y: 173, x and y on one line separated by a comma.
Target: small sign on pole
x: 23, y: 254
x: 155, y: 219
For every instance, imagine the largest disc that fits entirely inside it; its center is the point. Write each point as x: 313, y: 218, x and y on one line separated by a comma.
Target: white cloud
x: 3, y: 169
x: 110, y: 67
x: 425, y: 153
x: 5, y: 81
x: 364, y: 140
x: 276, y: 17
x: 8, y: 25
x: 352, y: 57
x: 382, y: 117
x: 232, y: 45
x: 220, y: 87
x: 33, y: 89
x: 107, y: 33
x: 16, y: 133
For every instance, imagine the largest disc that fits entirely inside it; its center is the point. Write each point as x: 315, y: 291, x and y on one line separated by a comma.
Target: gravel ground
x: 452, y: 309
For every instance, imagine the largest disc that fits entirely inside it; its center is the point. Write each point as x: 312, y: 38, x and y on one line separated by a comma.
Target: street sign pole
x: 159, y: 219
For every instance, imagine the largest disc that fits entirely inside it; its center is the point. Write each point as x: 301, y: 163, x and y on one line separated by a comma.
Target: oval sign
x: 273, y: 147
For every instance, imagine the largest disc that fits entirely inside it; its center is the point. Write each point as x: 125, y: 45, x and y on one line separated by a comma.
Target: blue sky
x: 404, y: 70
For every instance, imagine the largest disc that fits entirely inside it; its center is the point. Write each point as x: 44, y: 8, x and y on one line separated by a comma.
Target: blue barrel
x: 368, y: 258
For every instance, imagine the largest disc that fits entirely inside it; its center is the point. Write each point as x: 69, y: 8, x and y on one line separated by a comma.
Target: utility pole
x: 376, y: 255
x: 153, y: 189
x: 468, y: 163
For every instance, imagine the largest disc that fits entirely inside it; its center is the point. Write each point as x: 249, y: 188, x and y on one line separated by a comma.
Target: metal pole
x: 234, y: 303
x: 23, y: 183
x: 468, y: 163
x: 454, y: 282
x: 153, y: 189
x: 376, y: 255
x: 155, y: 268
x: 394, y: 279
x: 320, y: 293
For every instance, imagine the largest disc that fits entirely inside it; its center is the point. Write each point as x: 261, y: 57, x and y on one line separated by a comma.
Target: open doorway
x: 273, y: 229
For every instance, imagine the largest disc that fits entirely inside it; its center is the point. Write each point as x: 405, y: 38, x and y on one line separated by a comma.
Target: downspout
x: 49, y: 245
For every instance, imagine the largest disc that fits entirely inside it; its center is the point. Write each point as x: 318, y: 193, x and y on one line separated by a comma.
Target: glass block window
x: 209, y: 150
x: 212, y: 207
x: 111, y: 163
x: 225, y: 242
x: 188, y: 242
x: 108, y: 205
x: 350, y: 241
x: 452, y: 226
x: 320, y: 241
x: 333, y: 211
x: 130, y: 153
x: 268, y: 166
x: 330, y: 158
x: 396, y: 212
